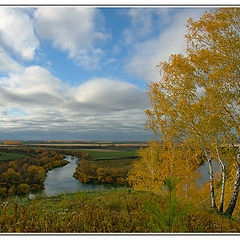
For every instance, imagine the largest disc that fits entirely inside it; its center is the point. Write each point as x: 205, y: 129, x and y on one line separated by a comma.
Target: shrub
x: 23, y: 189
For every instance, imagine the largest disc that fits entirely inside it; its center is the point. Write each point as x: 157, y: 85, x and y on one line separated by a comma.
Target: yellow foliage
x: 159, y: 162
x: 197, y: 97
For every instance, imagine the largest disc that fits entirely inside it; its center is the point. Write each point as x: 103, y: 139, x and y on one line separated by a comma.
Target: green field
x: 101, y: 154
x: 11, y: 156
x: 111, y: 158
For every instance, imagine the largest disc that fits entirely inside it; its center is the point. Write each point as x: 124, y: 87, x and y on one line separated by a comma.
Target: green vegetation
x: 105, y: 166
x: 102, y: 154
x: 26, y: 169
x: 11, y: 156
x: 106, y: 211
x: 174, y: 213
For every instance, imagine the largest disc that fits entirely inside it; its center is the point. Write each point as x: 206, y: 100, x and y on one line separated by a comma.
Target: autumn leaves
x: 195, y: 107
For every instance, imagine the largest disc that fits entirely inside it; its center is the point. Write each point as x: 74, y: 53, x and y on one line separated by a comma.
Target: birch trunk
x: 223, y: 189
x: 213, y: 202
x: 223, y: 171
x: 234, y: 197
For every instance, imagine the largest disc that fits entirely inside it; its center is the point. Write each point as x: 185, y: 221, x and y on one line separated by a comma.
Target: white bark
x: 213, y: 202
x: 223, y: 171
x: 234, y: 197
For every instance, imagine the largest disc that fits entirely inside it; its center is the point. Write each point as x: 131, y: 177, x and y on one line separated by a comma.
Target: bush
x: 23, y: 189
x: 3, y: 192
x: 172, y: 217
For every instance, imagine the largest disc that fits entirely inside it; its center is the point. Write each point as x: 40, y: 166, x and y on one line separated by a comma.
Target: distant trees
x: 27, y: 174
x: 88, y: 172
x: 196, y: 101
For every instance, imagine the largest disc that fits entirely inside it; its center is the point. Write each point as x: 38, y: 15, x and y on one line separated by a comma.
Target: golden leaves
x: 197, y: 97
x: 160, y: 161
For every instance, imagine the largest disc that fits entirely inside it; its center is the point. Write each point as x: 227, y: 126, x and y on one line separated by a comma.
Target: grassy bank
x: 106, y: 211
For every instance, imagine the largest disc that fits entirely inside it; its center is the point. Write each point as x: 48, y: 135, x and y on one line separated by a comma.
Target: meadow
x: 115, y: 211
x: 110, y: 158
x: 11, y: 156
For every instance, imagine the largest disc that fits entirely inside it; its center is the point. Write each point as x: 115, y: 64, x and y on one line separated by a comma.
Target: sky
x: 81, y: 73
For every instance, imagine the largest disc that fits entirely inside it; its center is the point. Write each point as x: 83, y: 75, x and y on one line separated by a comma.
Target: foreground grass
x: 106, y: 211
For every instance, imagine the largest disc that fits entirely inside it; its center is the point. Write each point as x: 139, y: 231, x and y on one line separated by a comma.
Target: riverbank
x: 105, y: 166
x: 61, y: 180
x: 26, y: 171
x: 119, y: 211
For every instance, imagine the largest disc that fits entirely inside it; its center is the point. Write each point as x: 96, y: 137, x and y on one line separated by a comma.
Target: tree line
x: 21, y: 176
x: 88, y: 172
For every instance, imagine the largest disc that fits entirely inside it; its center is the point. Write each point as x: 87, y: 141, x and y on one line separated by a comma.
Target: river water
x: 61, y: 180
x: 204, y: 172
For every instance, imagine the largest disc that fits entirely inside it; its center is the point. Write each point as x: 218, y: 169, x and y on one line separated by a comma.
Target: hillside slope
x: 106, y: 211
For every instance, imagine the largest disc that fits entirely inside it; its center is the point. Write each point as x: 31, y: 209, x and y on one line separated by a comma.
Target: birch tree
x: 161, y: 161
x: 197, y: 97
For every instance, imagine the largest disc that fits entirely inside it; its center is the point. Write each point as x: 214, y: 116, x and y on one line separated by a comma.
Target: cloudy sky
x: 74, y: 73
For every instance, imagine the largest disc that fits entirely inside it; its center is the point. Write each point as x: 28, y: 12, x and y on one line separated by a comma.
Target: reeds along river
x: 61, y: 180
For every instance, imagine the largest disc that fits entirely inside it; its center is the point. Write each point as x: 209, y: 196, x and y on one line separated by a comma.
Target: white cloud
x: 36, y: 105
x: 33, y: 86
x: 140, y: 24
x: 7, y: 63
x: 111, y: 94
x: 144, y: 22
x: 171, y: 40
x: 17, y: 33
x: 74, y: 30
x: 34, y: 79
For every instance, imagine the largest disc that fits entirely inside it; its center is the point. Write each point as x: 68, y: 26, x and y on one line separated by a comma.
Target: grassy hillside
x: 105, y: 211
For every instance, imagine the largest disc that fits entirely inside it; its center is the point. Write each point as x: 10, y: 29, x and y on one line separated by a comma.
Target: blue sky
x: 77, y: 73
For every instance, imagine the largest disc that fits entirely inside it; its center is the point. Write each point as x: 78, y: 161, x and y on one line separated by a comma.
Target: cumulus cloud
x: 7, y: 63
x: 111, y: 94
x: 33, y: 86
x: 34, y: 104
x: 34, y: 79
x: 144, y: 22
x: 17, y: 32
x: 40, y: 103
x: 149, y: 53
x: 74, y: 30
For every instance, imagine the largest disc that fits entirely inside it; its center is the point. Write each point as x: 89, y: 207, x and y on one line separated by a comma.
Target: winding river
x: 61, y: 180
